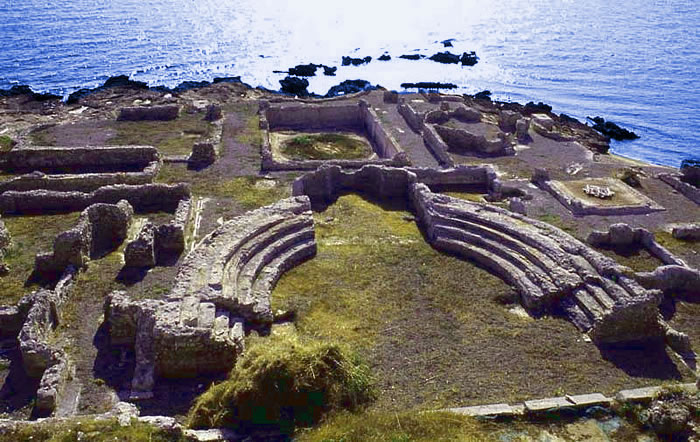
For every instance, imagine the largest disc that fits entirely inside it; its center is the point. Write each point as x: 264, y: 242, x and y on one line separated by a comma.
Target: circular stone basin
x: 324, y: 146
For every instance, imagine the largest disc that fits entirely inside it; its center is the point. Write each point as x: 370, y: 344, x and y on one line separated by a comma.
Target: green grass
x: 85, y: 429
x: 284, y: 381
x: 394, y: 427
x: 30, y: 235
x: 43, y: 137
x: 557, y: 221
x: 325, y: 146
x: 6, y: 143
x: 251, y: 133
x: 248, y: 191
x: 174, y: 137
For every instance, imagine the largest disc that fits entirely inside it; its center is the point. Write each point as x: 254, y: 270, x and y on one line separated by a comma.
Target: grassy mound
x: 326, y: 146
x: 282, y: 382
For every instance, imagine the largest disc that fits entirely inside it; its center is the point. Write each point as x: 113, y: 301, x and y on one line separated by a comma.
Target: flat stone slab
x: 587, y: 400
x: 547, y: 404
x: 648, y: 393
x: 492, y: 410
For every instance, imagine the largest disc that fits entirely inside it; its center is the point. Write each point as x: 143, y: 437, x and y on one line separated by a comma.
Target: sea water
x: 634, y: 62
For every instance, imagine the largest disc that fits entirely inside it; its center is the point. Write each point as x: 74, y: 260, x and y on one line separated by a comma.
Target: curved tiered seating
x: 238, y: 264
x: 551, y: 270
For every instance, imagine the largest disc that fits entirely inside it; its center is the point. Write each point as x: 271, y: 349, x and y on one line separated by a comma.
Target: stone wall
x: 462, y: 140
x: 385, y: 145
x: 75, y: 159
x: 86, y: 182
x: 100, y: 228
x: 314, y: 117
x: 413, y: 118
x: 153, y: 242
x: 622, y: 235
x: 690, y: 192
x: 152, y: 113
x: 143, y: 198
x: 328, y: 182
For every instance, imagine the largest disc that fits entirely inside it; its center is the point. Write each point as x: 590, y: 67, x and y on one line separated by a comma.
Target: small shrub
x: 282, y: 382
x: 6, y: 143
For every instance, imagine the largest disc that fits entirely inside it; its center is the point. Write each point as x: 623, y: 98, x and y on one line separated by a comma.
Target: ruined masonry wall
x: 80, y: 182
x: 50, y: 158
x: 143, y: 198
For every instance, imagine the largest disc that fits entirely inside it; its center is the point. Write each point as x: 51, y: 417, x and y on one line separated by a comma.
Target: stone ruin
x: 356, y: 117
x: 622, y: 235
x: 99, y: 228
x: 154, y: 242
x: 637, y: 203
x: 553, y: 272
x: 149, y: 113
x: 222, y: 288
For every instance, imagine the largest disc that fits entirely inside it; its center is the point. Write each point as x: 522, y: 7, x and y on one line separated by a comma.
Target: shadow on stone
x: 642, y: 359
x: 19, y: 390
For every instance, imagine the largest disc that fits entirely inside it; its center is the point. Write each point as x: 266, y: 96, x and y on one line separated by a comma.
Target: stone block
x: 152, y: 113
x: 589, y: 400
x: 493, y: 410
x: 549, y: 404
x: 140, y: 251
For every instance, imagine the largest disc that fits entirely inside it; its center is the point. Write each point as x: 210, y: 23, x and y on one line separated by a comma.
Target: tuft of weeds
x: 284, y: 381
x: 6, y: 143
x: 86, y: 429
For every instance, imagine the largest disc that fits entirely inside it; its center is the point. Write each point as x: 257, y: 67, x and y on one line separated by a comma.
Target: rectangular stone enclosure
x: 356, y: 117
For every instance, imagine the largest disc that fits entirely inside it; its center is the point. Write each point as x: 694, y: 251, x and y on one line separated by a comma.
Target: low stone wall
x: 152, y: 113
x: 413, y: 118
x: 385, y: 145
x: 143, y: 198
x: 581, y: 208
x: 39, y: 357
x: 622, y: 235
x: 75, y: 159
x: 328, y: 182
x: 300, y: 116
x: 691, y: 192
x: 100, y: 228
x: 462, y: 140
x: 80, y: 182
x: 437, y: 145
x: 687, y: 232
x: 673, y: 279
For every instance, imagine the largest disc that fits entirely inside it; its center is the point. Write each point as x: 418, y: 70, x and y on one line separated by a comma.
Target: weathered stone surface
x: 140, y: 252
x: 588, y: 400
x: 691, y: 192
x: 672, y: 278
x: 152, y: 113
x: 144, y: 198
x: 687, y: 232
x: 75, y: 159
x: 224, y: 283
x: 493, y: 410
x: 637, y: 394
x: 464, y: 140
x: 203, y: 154
x: 522, y: 130
x: 517, y: 205
x: 541, y: 405
x: 213, y: 113
x: 391, y: 97
x: 669, y: 417
x: 100, y: 228
x: 52, y: 384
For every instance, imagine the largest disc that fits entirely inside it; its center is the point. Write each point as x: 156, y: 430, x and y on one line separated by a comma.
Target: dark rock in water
x: 123, y: 81
x: 412, y: 56
x: 469, y: 58
x: 294, y: 85
x: 304, y: 70
x: 347, y: 61
x: 349, y: 87
x: 446, y: 57
x: 429, y: 85
x: 384, y: 57
x: 539, y: 107
x: 483, y: 95
x: 26, y: 90
x: 330, y: 71
x: 568, y: 119
x: 612, y: 130
x: 447, y: 43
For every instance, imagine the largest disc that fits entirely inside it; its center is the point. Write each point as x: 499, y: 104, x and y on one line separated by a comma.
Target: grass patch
x: 251, y: 133
x: 473, y: 197
x: 174, y: 137
x: 30, y: 235
x: 283, y: 382
x: 88, y: 430
x: 43, y: 136
x: 326, y: 146
x: 558, y: 222
x: 248, y: 191
x: 405, y: 426
x: 6, y: 143
x: 636, y: 258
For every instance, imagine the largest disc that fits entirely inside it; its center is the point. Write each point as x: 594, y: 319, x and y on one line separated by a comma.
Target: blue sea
x: 634, y: 62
